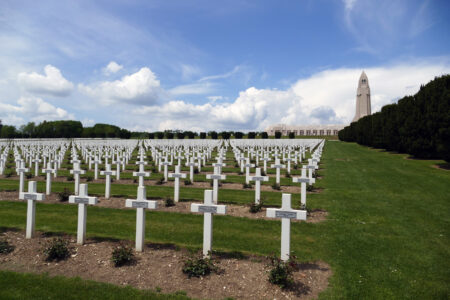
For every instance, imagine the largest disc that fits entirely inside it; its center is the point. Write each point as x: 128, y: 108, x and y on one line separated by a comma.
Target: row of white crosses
x: 208, y: 208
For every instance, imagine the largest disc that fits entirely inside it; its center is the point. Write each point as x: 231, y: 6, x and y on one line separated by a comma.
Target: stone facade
x: 304, y: 130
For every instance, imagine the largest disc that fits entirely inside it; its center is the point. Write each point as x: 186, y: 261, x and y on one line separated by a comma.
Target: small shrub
x: 288, y: 175
x: 187, y: 182
x: 57, y: 249
x: 281, y: 272
x: 196, y: 170
x: 315, y: 175
x: 5, y: 247
x: 8, y: 173
x: 254, y: 208
x: 89, y: 178
x: 160, y: 181
x: 64, y: 195
x: 154, y: 170
x: 240, y: 173
x: 276, y: 186
x: 122, y: 255
x: 169, y: 202
x: 309, y: 188
x: 295, y: 166
x: 134, y: 180
x: 263, y: 173
x: 236, y: 165
x: 197, y: 266
x: 247, y: 186
x: 28, y: 175
x: 70, y: 177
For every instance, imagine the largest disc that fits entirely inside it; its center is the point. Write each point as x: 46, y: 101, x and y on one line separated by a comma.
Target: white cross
x: 77, y: 172
x: 191, y: 166
x: 286, y: 213
x: 117, y: 162
x: 208, y: 208
x: 265, y: 159
x: 247, y: 166
x: 48, y: 184
x: 303, y: 180
x: 288, y: 159
x: 140, y: 204
x: 241, y: 163
x: 258, y: 178
x: 310, y: 173
x: 216, y: 177
x: 278, y: 166
x: 219, y: 166
x: 108, y: 173
x: 177, y: 175
x: 96, y: 163
x: 22, y: 170
x: 106, y: 156
x: 36, y: 166
x: 165, y: 164
x: 141, y: 174
x: 55, y: 167
x: 82, y: 200
x: 31, y: 196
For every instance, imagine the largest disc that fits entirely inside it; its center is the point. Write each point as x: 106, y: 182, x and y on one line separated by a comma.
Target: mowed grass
x: 243, y: 197
x: 31, y: 287
x: 386, y: 237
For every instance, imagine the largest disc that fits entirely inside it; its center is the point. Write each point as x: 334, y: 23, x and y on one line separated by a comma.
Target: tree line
x: 418, y: 124
x: 74, y: 129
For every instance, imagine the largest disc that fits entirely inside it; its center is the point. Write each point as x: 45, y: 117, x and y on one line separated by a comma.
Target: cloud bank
x: 51, y: 83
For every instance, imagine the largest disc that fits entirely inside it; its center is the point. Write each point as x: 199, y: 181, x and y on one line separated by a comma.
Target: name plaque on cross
x: 137, y: 204
x: 254, y: 178
x: 285, y: 214
x: 80, y: 200
x: 207, y: 209
x: 140, y: 174
x: 213, y: 176
x: 302, y: 180
x: 30, y: 197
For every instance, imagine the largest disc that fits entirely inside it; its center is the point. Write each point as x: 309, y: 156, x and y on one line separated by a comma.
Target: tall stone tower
x: 363, y: 106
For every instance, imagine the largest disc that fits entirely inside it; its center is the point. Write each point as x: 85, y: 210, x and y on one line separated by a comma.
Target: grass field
x: 386, y: 237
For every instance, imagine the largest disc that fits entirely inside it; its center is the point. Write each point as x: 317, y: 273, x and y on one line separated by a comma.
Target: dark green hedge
x: 418, y: 125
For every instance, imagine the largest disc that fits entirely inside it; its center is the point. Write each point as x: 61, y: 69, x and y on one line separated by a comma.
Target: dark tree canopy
x: 418, y: 125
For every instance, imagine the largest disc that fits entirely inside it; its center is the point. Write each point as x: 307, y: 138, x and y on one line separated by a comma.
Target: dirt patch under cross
x: 160, y: 267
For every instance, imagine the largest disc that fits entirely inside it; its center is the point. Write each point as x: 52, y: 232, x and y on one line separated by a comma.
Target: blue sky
x: 203, y: 65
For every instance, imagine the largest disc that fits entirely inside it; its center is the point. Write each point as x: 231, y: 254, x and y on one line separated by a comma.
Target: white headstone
x: 82, y: 200
x: 31, y: 196
x: 286, y: 213
x: 208, y: 209
x: 141, y: 203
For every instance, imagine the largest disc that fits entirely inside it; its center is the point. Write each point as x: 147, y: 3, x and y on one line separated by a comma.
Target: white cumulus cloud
x: 327, y: 97
x: 32, y: 109
x: 112, y: 68
x: 140, y: 87
x: 51, y: 83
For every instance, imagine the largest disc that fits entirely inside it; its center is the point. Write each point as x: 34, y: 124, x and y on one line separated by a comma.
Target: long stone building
x: 363, y: 108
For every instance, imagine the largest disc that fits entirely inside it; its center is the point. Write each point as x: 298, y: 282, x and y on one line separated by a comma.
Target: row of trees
x: 74, y: 129
x: 418, y: 125
x: 64, y: 129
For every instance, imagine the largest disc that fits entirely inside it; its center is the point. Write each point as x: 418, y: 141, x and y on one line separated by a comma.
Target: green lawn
x: 386, y: 237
